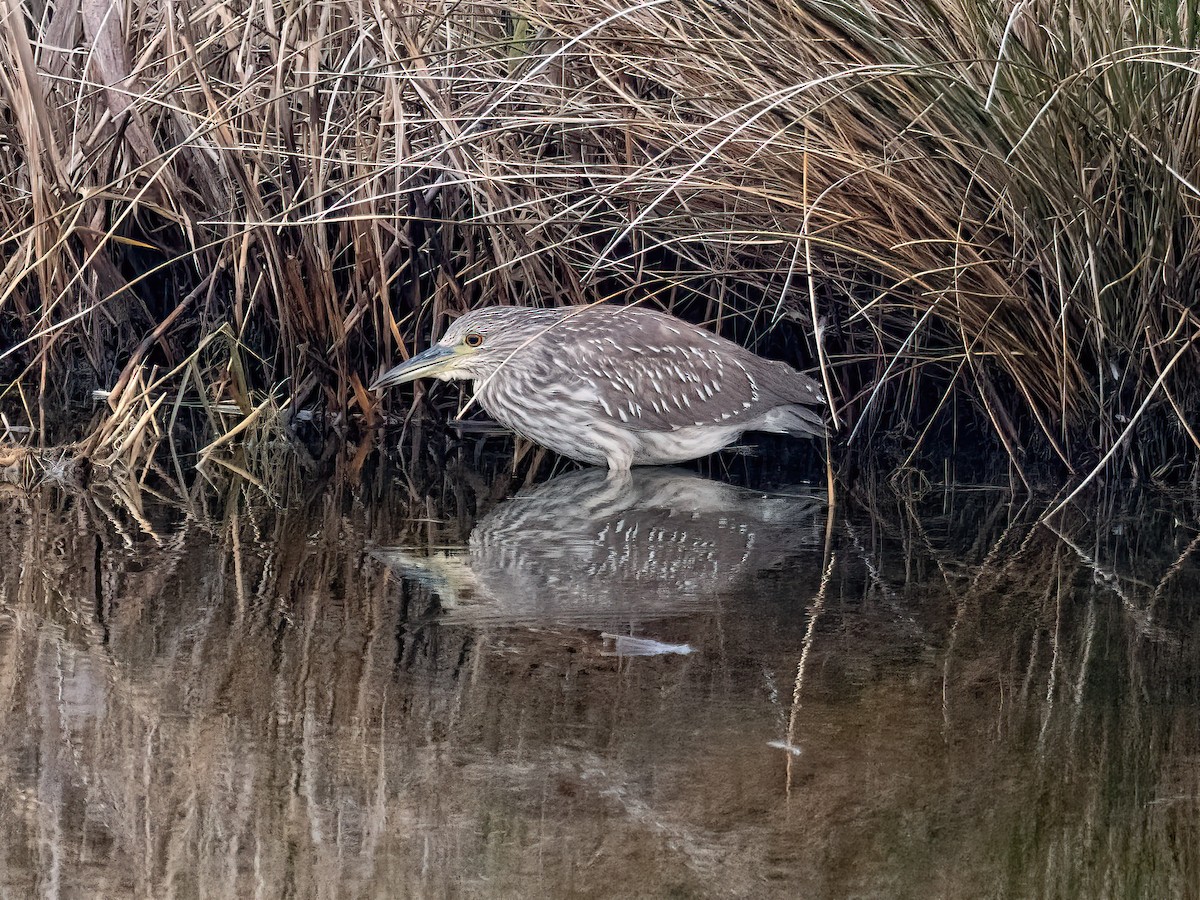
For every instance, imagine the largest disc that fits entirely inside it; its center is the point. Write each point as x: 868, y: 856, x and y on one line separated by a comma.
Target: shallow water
x: 670, y: 687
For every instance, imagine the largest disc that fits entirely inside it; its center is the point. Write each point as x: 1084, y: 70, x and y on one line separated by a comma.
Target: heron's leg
x: 620, y: 458
x: 617, y: 445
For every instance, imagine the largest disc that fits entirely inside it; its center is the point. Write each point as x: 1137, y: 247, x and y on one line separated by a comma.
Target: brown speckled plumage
x: 622, y: 385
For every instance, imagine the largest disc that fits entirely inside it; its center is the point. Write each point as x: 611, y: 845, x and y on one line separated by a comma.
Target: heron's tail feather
x: 793, y: 419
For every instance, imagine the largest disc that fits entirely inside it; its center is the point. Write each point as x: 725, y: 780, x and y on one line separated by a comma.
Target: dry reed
x: 988, y: 210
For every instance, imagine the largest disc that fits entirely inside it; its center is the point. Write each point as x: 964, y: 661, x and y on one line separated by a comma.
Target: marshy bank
x: 977, y: 220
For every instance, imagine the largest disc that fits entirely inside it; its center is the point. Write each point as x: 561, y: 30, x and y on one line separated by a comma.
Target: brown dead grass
x: 988, y: 211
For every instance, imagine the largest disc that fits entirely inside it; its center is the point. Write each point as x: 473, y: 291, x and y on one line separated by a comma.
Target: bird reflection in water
x: 587, y: 550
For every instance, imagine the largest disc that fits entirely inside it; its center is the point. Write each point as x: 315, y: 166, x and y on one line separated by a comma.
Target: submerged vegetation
x: 227, y: 217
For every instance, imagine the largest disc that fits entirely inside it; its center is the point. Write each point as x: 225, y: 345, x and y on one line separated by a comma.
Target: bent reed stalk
x: 990, y: 209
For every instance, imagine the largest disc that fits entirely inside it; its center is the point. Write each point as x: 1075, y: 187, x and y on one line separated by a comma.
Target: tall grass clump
x: 982, y: 202
x: 975, y: 219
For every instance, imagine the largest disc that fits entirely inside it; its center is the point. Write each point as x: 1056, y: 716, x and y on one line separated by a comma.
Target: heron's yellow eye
x: 473, y: 339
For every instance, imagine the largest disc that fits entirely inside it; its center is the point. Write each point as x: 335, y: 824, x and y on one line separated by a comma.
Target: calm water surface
x: 666, y: 687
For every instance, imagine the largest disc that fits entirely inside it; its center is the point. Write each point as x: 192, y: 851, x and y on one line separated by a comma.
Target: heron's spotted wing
x: 654, y: 372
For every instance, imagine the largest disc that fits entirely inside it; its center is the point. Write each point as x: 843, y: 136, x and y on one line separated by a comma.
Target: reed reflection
x: 586, y: 549
x: 241, y: 701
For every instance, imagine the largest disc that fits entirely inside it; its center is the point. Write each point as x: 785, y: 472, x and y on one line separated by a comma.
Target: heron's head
x: 475, y: 345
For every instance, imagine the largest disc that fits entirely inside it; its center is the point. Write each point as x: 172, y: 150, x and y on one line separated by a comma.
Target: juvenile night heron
x: 616, y: 385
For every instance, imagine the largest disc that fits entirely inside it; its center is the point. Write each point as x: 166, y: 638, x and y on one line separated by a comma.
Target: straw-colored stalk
x: 990, y: 210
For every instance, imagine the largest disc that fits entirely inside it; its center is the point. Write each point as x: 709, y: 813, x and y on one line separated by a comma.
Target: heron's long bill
x: 430, y: 364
